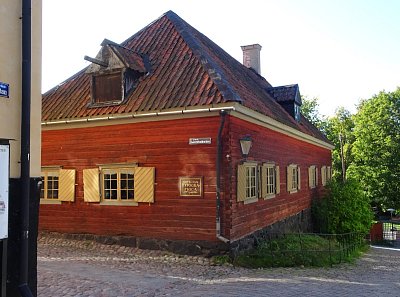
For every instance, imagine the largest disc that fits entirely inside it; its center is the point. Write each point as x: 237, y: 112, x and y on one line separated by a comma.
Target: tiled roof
x: 287, y: 93
x: 187, y: 69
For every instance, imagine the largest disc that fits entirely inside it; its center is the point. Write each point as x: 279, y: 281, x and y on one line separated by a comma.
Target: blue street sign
x: 4, y: 90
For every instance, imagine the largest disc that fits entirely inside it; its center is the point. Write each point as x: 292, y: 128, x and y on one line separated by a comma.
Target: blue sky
x: 339, y: 51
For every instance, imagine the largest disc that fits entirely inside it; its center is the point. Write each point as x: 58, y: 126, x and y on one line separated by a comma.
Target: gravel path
x: 86, y: 268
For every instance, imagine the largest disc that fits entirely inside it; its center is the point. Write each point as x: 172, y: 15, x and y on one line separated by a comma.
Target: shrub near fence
x: 311, y: 249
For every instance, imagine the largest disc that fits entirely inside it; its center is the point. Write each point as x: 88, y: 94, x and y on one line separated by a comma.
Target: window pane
x: 52, y: 186
x: 251, y: 176
x: 294, y: 178
x: 110, y: 184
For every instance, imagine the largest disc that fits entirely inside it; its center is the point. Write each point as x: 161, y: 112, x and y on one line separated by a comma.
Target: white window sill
x: 269, y: 196
x: 50, y: 201
x: 250, y: 200
x: 293, y: 191
x: 119, y: 203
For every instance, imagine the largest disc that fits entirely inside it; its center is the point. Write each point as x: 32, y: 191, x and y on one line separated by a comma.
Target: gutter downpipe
x: 218, y: 168
x: 25, y: 148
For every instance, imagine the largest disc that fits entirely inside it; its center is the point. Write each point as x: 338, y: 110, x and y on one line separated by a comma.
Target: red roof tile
x: 187, y: 69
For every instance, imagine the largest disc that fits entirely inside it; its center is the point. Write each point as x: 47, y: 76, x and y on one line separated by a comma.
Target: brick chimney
x: 251, y: 56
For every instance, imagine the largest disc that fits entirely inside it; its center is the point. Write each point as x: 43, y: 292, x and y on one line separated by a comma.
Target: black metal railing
x: 309, y: 249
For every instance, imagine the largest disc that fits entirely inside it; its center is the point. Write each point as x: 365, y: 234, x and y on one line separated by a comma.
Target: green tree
x: 339, y: 130
x: 377, y: 148
x: 310, y: 109
x: 345, y: 208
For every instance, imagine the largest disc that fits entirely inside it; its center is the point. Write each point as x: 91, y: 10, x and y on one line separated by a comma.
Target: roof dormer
x: 289, y: 98
x: 115, y: 73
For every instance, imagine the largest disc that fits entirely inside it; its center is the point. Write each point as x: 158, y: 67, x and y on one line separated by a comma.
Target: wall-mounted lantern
x: 245, y: 144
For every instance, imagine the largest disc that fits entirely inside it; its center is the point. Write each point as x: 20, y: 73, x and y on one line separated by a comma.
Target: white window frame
x: 270, y: 183
x: 252, y: 181
x: 326, y: 174
x: 248, y: 183
x: 313, y: 176
x: 46, y: 172
x: 293, y: 178
x: 119, y: 188
x: 118, y: 169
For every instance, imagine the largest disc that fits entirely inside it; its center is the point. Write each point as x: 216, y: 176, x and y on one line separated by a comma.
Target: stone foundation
x: 300, y: 222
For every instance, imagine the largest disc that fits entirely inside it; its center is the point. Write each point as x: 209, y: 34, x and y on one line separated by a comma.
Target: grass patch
x: 221, y: 260
x: 300, y: 250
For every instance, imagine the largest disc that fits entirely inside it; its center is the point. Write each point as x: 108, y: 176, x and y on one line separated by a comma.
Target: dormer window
x: 116, y: 72
x: 289, y: 98
x: 107, y: 88
x: 297, y: 112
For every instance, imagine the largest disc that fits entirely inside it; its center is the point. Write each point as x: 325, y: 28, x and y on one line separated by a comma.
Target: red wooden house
x: 167, y: 140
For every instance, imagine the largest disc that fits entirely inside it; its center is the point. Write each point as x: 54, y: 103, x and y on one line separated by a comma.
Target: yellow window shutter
x: 264, y: 181
x: 316, y: 176
x: 144, y: 184
x: 241, y: 183
x: 277, y: 180
x: 66, y: 186
x: 310, y: 173
x: 289, y: 178
x: 323, y: 175
x: 91, y: 189
x: 298, y: 178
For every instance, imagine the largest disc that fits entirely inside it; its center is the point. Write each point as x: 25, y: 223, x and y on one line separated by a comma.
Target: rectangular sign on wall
x: 4, y: 90
x: 4, y: 181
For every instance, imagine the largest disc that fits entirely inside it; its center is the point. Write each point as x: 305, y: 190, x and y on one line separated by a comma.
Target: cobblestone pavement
x: 86, y: 268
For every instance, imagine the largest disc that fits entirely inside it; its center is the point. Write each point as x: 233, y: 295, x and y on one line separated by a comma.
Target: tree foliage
x: 371, y: 144
x: 344, y: 209
x: 340, y: 126
x: 310, y: 110
x: 376, y: 148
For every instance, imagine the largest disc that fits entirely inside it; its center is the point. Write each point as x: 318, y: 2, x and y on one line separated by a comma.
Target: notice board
x: 4, y: 182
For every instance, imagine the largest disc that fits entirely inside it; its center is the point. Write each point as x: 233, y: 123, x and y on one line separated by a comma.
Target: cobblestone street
x: 86, y: 268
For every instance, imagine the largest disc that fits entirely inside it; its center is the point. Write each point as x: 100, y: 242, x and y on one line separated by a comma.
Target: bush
x: 344, y: 209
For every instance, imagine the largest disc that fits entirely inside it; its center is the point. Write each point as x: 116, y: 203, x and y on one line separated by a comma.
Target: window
x: 270, y: 180
x: 57, y: 185
x: 297, y: 112
x: 107, y: 88
x: 111, y: 88
x: 248, y: 182
x: 251, y: 185
x: 49, y: 184
x: 313, y: 176
x: 293, y: 178
x: 257, y: 181
x: 119, y: 184
x: 326, y: 174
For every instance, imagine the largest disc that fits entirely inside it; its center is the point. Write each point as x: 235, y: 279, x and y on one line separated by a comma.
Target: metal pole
x: 218, y: 173
x: 25, y: 148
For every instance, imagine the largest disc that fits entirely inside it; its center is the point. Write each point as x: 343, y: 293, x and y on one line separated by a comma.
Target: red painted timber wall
x: 163, y: 145
x: 269, y: 145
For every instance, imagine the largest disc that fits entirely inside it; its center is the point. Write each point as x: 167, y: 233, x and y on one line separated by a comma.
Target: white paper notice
x: 4, y: 180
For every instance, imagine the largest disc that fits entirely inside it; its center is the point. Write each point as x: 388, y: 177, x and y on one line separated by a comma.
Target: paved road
x: 85, y: 268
